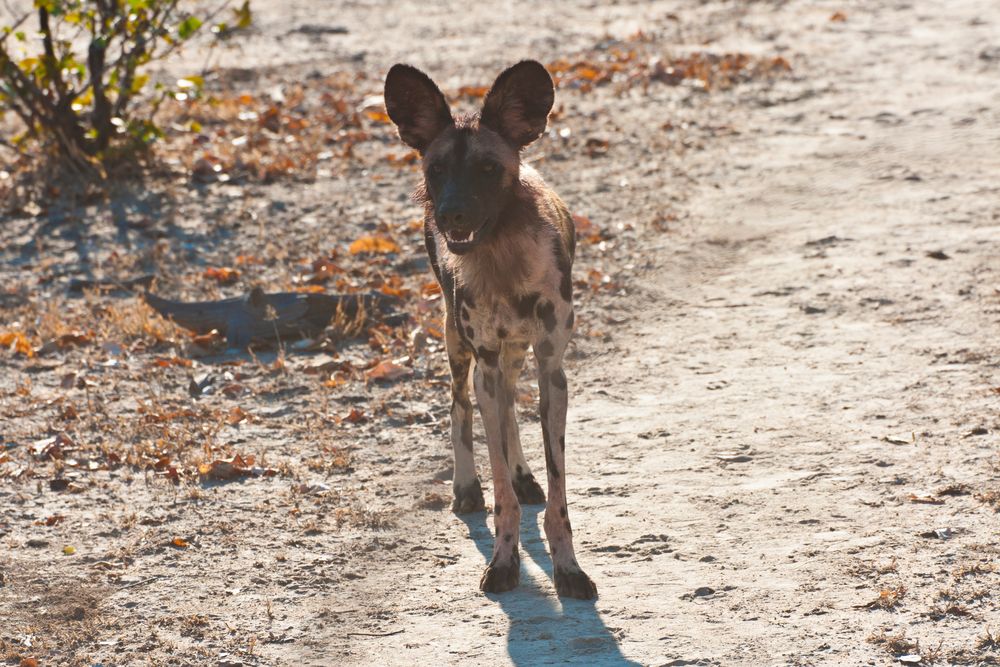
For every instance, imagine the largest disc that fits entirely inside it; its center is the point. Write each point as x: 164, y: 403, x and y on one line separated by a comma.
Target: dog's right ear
x: 416, y: 105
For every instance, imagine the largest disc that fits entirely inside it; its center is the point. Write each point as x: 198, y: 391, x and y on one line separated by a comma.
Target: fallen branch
x: 267, y: 317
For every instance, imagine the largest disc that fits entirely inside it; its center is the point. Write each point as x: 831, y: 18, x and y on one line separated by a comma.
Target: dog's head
x: 470, y: 164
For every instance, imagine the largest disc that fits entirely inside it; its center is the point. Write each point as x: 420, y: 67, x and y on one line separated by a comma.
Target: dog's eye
x: 489, y: 168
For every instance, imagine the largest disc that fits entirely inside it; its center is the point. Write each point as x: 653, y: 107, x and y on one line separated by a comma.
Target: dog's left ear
x: 416, y: 105
x: 517, y: 106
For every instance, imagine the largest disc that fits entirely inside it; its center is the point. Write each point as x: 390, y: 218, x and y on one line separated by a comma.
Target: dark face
x: 468, y: 178
x: 470, y: 166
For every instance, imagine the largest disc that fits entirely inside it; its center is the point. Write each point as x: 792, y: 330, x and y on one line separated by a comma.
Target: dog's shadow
x: 545, y: 629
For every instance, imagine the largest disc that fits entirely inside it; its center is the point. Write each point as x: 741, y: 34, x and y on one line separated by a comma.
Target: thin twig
x: 374, y: 634
x: 12, y: 28
x: 6, y: 144
x: 142, y: 582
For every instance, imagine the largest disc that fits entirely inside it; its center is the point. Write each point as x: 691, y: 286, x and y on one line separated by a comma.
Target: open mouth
x: 461, y: 239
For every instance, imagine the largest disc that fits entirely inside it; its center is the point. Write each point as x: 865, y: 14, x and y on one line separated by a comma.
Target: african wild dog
x: 501, y: 245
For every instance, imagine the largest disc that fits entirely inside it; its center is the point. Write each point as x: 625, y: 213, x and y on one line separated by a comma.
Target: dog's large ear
x: 416, y: 105
x: 518, y: 104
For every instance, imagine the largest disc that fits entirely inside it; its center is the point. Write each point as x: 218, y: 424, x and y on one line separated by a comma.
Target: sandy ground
x: 783, y: 416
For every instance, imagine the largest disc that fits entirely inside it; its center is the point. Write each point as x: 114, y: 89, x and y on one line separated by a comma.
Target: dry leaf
x: 356, y: 416
x: 233, y: 468
x: 309, y: 289
x: 473, y: 91
x: 73, y: 338
x: 223, y: 275
x: 374, y: 245
x: 337, y: 379
x: 388, y: 371
x: 236, y: 415
x: 51, y: 520
x: 925, y: 499
x: 180, y: 543
x: 17, y: 342
x: 595, y: 147
x: 164, y: 362
x: 209, y: 339
x: 403, y: 160
x: 378, y: 116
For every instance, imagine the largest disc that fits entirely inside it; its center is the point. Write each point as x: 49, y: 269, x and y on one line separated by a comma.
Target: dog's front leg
x: 504, y: 571
x: 571, y: 580
x: 528, y: 491
x: 468, y: 493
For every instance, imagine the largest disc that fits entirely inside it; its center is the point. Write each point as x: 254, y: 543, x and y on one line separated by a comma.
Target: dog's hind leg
x: 467, y: 489
x: 571, y: 580
x: 528, y: 491
x: 504, y: 571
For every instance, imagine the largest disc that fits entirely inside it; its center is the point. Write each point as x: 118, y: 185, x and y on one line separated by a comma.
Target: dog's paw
x: 574, y: 584
x: 499, y: 578
x: 468, y: 498
x: 529, y: 492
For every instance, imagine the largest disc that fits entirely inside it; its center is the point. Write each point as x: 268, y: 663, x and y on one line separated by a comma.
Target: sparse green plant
x: 77, y: 96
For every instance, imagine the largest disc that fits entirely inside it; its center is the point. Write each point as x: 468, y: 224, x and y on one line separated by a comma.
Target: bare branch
x: 17, y: 24
x: 51, y: 63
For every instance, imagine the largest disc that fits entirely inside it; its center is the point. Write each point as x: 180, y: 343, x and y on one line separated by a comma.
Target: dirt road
x: 784, y: 424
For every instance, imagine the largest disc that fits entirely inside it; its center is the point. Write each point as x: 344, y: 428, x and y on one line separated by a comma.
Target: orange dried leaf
x: 378, y: 115
x: 388, y: 371
x: 236, y: 415
x: 207, y: 340
x: 374, y: 245
x: 309, y: 289
x: 337, y: 379
x: 780, y: 63
x: 356, y: 416
x: 838, y: 17
x: 404, y: 159
x: 164, y: 362
x: 73, y: 338
x: 321, y: 270
x: 223, y: 275
x: 473, y: 91
x: 401, y: 292
x: 17, y: 342
x: 180, y: 543
x: 584, y: 227
x: 50, y: 520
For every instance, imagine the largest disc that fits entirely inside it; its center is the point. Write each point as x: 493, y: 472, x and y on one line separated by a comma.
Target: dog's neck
x: 502, y: 266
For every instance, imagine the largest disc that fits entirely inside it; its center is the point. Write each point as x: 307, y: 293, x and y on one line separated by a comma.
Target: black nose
x: 451, y: 217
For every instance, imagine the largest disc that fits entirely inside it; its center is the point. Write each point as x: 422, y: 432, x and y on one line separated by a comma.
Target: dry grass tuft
x: 894, y: 644
x: 990, y: 497
x: 888, y: 599
x: 988, y: 642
